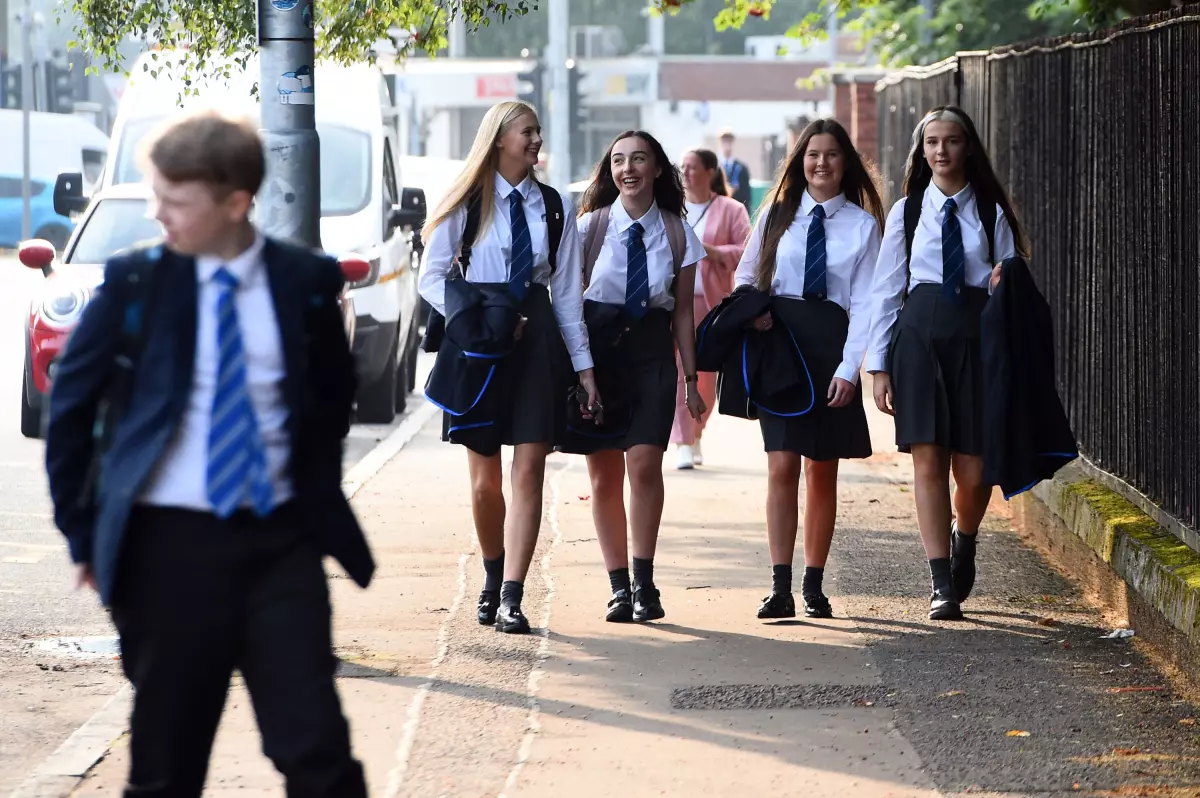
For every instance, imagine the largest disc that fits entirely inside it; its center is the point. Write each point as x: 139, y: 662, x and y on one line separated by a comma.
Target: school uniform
x: 820, y: 293
x: 527, y: 389
x: 925, y: 332
x: 635, y: 271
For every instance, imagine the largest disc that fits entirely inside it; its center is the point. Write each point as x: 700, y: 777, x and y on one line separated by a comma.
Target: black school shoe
x: 620, y: 608
x: 817, y: 606
x: 510, y: 620
x: 944, y: 604
x: 962, y: 562
x: 646, y: 604
x: 778, y: 605
x: 489, y: 602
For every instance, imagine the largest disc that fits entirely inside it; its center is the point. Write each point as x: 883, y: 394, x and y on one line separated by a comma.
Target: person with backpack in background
x: 639, y: 275
x: 498, y: 249
x: 938, y: 263
x: 203, y: 515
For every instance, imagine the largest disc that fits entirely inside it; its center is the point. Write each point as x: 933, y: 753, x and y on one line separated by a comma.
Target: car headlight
x: 64, y: 305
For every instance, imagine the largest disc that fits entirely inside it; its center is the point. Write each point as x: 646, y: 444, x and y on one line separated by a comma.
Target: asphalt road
x: 52, y: 681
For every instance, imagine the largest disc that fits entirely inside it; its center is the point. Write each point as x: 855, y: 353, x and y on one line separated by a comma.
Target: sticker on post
x: 284, y: 5
x: 296, y: 88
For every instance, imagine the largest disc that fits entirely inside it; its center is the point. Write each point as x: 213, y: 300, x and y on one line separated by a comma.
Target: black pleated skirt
x: 823, y: 433
x: 936, y: 368
x: 651, y: 380
x: 531, y: 381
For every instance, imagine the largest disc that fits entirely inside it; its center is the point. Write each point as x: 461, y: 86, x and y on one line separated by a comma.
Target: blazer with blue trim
x: 759, y: 372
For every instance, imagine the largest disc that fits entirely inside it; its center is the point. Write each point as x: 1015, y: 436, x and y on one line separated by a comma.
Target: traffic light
x: 529, y: 87
x: 10, y: 87
x: 578, y: 116
x: 60, y: 88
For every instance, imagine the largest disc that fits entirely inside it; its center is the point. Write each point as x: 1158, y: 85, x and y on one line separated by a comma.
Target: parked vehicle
x: 365, y: 208
x: 433, y: 176
x: 116, y: 219
x: 60, y: 143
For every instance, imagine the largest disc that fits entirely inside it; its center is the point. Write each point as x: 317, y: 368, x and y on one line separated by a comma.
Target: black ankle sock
x: 813, y: 579
x: 643, y: 572
x: 781, y: 579
x: 511, y: 593
x: 939, y: 571
x: 493, y: 573
x: 618, y: 578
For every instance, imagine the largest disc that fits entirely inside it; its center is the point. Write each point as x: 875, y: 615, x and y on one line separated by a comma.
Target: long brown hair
x: 709, y: 160
x: 668, y: 186
x: 980, y: 174
x: 859, y: 184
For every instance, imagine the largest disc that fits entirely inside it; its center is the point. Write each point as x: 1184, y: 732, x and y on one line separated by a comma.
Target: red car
x: 116, y: 219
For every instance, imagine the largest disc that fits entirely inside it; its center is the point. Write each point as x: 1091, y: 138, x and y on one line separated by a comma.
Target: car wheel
x: 414, y: 349
x: 377, y: 401
x: 403, y: 366
x: 31, y: 417
x: 56, y: 234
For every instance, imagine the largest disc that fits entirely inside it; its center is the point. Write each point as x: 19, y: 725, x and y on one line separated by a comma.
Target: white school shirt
x: 490, y: 260
x: 887, y: 293
x: 851, y: 249
x: 612, y: 264
x: 698, y: 221
x: 181, y: 478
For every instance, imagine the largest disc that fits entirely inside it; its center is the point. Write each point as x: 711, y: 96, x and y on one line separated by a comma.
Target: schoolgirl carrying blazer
x: 937, y: 265
x: 500, y: 247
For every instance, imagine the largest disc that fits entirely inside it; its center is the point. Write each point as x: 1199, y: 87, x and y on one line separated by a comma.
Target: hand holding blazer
x: 760, y: 372
x: 318, y: 389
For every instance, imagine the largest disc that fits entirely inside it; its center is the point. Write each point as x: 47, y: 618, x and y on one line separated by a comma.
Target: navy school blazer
x: 759, y: 372
x: 1026, y: 434
x: 318, y: 388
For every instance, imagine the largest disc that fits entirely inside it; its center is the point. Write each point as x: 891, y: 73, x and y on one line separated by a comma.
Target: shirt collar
x: 243, y: 267
x: 937, y: 199
x: 504, y: 188
x: 620, y: 217
x: 807, y: 203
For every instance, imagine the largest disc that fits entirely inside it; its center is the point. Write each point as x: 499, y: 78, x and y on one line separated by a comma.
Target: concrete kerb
x: 1137, y: 568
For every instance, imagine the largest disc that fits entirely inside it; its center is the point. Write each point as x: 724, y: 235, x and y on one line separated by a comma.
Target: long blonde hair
x: 477, y: 177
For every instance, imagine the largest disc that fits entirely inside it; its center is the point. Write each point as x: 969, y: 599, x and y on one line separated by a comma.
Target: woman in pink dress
x: 723, y: 224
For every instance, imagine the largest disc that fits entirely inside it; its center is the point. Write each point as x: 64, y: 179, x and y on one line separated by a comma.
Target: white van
x: 59, y: 143
x: 363, y: 206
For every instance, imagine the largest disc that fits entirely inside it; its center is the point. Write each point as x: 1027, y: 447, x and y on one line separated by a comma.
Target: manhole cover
x: 779, y: 696
x: 81, y: 647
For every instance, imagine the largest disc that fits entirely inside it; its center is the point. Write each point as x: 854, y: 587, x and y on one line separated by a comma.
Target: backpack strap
x: 470, y: 231
x: 676, y: 238
x: 135, y: 295
x: 554, y: 221
x: 987, y: 217
x: 593, y: 241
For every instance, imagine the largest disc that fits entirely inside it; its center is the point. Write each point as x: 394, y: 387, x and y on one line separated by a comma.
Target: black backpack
x: 435, y: 328
x: 912, y: 217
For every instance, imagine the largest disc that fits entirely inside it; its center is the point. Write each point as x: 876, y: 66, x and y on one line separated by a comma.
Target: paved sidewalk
x: 711, y: 701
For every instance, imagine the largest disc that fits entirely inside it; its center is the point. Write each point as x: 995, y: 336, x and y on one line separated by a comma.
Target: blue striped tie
x: 815, y: 265
x: 954, y: 261
x: 637, y: 278
x: 237, y: 461
x: 520, y: 267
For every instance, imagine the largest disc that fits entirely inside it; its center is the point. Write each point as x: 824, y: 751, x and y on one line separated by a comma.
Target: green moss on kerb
x: 1122, y: 516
